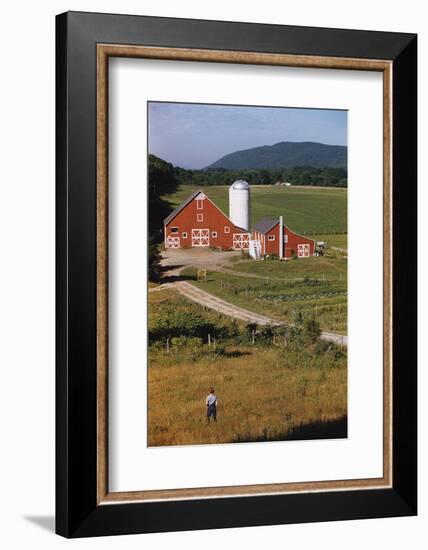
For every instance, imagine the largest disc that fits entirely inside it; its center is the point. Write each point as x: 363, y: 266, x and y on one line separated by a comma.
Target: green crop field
x: 281, y: 290
x: 271, y: 390
x: 306, y: 210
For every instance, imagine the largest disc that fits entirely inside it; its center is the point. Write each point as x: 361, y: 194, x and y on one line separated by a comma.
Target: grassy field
x: 322, y: 267
x: 290, y: 390
x: 338, y: 240
x: 307, y: 210
x: 314, y: 287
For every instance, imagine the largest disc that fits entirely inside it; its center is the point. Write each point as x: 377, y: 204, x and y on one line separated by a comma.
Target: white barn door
x: 241, y: 241
x: 172, y: 242
x: 303, y: 250
x: 200, y: 237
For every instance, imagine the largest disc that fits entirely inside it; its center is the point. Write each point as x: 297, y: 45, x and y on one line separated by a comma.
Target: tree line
x: 297, y: 175
x: 161, y: 181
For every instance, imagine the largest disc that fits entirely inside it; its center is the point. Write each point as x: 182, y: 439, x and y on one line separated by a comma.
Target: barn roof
x: 183, y: 205
x: 265, y: 225
x: 180, y: 208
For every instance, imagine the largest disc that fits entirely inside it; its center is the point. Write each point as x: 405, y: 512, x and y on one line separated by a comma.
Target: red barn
x: 267, y: 233
x: 199, y: 222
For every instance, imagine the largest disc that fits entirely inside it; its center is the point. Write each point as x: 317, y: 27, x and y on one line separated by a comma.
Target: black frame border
x: 77, y: 512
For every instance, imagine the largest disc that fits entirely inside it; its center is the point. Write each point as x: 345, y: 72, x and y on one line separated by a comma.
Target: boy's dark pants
x: 212, y: 411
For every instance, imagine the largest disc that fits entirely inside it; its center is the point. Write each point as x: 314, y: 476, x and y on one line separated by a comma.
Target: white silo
x: 239, y: 204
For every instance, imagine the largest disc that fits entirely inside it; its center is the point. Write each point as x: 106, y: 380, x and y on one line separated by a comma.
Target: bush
x: 171, y: 323
x: 153, y: 259
x: 185, y: 324
x: 265, y: 335
x: 186, y: 341
x: 323, y: 347
x: 312, y: 330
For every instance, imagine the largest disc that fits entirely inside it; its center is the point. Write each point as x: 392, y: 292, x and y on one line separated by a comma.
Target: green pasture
x: 315, y: 267
x: 306, y: 210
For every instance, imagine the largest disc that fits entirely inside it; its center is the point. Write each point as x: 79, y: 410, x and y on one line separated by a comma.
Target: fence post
x: 167, y: 345
x: 254, y: 336
x: 209, y: 339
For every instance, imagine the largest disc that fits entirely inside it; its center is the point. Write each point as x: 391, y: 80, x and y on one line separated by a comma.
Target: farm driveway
x: 208, y: 300
x: 176, y: 259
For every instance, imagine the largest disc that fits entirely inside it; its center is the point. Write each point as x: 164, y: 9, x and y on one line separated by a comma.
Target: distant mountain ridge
x: 285, y: 154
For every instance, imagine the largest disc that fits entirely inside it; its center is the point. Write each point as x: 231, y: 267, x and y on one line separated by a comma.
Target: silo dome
x: 239, y: 204
x: 240, y: 184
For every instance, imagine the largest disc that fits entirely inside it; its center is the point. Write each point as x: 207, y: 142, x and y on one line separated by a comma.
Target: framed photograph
x: 236, y: 274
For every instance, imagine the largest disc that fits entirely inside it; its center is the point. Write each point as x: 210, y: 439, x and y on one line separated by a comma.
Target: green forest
x: 298, y: 175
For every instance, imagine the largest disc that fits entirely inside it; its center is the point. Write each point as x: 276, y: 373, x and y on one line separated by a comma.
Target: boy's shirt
x: 211, y: 399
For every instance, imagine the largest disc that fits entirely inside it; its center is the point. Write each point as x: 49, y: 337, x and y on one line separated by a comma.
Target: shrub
x: 186, y: 341
x: 265, y: 335
x: 185, y: 323
x: 322, y: 347
x: 153, y: 259
x: 312, y: 330
x: 172, y: 322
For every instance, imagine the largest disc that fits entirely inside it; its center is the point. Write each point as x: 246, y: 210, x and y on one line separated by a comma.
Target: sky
x: 194, y: 135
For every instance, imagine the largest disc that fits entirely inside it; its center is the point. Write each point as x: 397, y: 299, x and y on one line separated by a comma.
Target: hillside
x: 284, y: 155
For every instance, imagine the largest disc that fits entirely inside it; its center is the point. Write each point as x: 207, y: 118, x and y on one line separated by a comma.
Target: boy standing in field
x: 211, y: 403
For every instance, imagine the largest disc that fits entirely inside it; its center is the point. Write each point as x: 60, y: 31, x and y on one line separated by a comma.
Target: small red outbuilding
x: 267, y: 233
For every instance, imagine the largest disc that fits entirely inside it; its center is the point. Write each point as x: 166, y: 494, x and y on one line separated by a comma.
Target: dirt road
x: 174, y: 261
x: 225, y: 308
x: 208, y: 300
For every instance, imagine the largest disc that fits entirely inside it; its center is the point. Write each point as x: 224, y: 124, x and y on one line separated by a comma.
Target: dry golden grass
x: 264, y: 394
